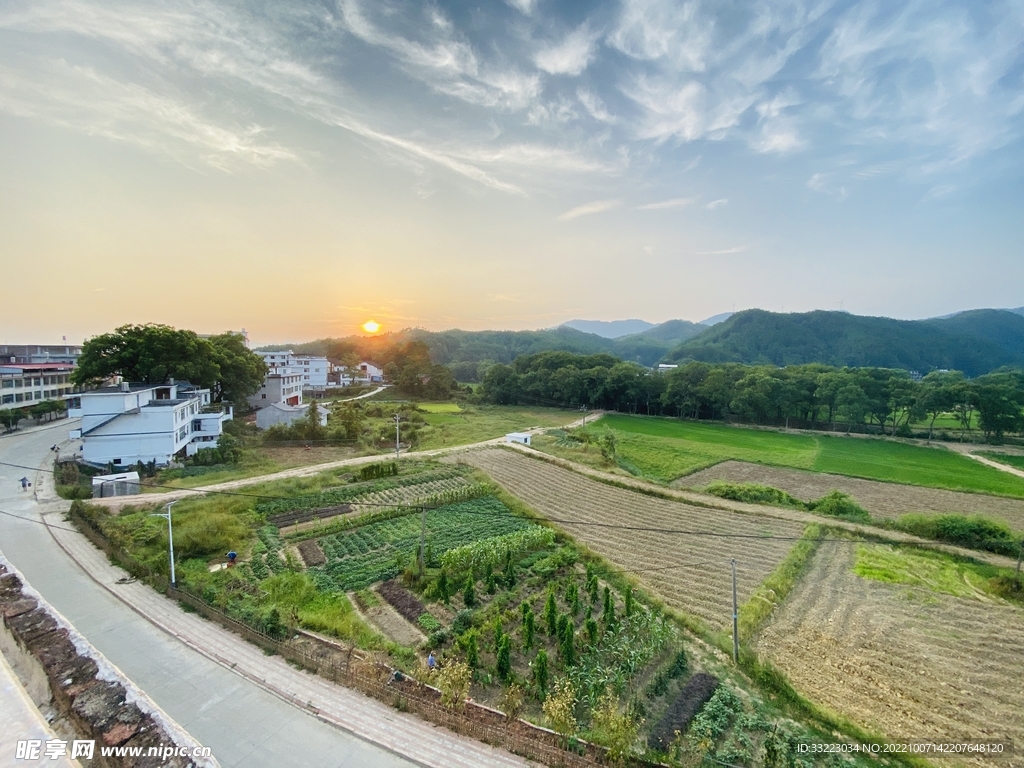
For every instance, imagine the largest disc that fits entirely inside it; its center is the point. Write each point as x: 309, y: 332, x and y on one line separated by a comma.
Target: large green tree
x: 153, y: 353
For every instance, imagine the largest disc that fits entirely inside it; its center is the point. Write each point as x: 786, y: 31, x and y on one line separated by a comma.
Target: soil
x: 393, y: 625
x: 884, y: 500
x: 903, y: 661
x: 690, y: 572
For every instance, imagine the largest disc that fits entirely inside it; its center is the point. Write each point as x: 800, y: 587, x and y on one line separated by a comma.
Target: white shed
x: 123, y: 484
x: 523, y: 438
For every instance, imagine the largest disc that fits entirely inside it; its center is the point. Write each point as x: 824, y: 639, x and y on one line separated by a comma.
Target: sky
x: 297, y: 168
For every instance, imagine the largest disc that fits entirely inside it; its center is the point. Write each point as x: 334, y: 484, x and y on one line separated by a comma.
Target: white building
x: 129, y: 423
x: 364, y: 373
x: 282, y: 386
x: 523, y: 438
x: 286, y: 415
x: 314, y: 369
x: 25, y: 384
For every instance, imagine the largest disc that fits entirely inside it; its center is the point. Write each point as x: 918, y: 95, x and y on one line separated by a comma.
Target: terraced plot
x: 905, y: 661
x: 885, y: 500
x: 691, y: 573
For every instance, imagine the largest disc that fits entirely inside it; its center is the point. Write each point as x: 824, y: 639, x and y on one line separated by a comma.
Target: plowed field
x: 885, y: 500
x: 907, y: 662
x: 703, y: 590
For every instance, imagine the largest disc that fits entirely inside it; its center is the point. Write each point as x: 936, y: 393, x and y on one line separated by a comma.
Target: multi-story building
x: 282, y: 385
x: 314, y: 369
x: 25, y: 384
x: 129, y: 423
x: 39, y: 353
x: 364, y: 373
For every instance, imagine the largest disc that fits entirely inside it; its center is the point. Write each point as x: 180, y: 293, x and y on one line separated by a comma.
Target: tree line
x: 811, y: 395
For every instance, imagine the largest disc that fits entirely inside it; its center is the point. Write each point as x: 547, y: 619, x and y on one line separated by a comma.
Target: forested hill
x: 974, y: 342
x: 463, y: 351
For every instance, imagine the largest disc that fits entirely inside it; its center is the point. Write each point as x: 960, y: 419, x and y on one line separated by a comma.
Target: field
x: 666, y: 449
x: 475, y: 423
x: 690, y: 572
x: 1010, y: 459
x: 882, y: 500
x: 903, y: 655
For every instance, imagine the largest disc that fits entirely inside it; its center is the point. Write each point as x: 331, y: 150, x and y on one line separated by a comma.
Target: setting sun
x: 371, y: 326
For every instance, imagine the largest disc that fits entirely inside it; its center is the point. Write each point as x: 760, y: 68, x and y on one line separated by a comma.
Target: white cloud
x: 817, y: 182
x: 593, y: 104
x: 587, y: 209
x: 571, y: 56
x: 717, y: 203
x: 722, y: 252
x: 676, y: 202
x: 525, y: 7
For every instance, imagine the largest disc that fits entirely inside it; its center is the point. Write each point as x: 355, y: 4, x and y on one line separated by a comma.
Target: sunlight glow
x: 371, y: 326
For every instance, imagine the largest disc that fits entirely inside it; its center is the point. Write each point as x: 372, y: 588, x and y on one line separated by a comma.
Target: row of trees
x: 152, y: 354
x: 812, y: 395
x: 44, y: 410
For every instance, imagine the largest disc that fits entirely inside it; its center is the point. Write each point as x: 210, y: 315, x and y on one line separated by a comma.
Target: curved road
x: 241, y: 723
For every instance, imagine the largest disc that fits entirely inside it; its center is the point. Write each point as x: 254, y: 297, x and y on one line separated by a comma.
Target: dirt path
x: 904, y: 661
x: 995, y: 464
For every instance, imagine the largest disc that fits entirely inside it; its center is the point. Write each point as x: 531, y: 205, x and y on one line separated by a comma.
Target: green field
x: 665, y: 449
x: 440, y: 407
x: 1017, y: 462
x: 475, y: 423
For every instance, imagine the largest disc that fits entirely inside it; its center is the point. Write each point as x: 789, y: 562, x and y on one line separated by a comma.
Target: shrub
x: 975, y: 532
x: 551, y: 614
x: 504, y: 658
x: 429, y: 623
x: 463, y: 621
x: 753, y: 493
x: 616, y: 729
x: 560, y: 708
x: 469, y: 593
x: 540, y: 671
x: 838, y: 504
x: 453, y: 679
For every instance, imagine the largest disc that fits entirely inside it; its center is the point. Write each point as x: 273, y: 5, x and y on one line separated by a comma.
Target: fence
x: 377, y: 680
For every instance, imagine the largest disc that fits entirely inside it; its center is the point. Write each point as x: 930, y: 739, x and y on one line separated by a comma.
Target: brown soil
x: 390, y: 622
x: 885, y: 500
x: 689, y: 572
x: 906, y: 662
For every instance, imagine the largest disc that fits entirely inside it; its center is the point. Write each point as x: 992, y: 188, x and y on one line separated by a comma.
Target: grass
x: 475, y: 423
x: 439, y: 407
x: 665, y: 449
x: 931, y: 570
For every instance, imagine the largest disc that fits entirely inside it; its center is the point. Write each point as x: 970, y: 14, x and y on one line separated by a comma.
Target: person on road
x: 25, y: 483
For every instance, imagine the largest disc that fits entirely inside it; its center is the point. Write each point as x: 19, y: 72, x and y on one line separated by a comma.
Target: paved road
x: 242, y: 723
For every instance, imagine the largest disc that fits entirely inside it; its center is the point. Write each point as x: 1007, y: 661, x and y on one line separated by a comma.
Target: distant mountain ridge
x: 974, y: 342
x: 609, y: 329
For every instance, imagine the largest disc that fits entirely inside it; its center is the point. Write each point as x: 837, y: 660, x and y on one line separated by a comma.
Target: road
x: 241, y: 722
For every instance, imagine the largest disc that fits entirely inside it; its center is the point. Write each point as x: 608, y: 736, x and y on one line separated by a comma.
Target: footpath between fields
x: 761, y: 510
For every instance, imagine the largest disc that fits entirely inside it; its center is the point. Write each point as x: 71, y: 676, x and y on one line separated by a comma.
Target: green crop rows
x: 379, y: 550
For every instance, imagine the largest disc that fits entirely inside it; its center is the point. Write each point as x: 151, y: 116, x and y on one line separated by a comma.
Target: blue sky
x: 298, y: 168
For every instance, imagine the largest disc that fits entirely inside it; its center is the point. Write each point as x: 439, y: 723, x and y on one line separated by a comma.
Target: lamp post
x: 170, y: 536
x: 397, y: 434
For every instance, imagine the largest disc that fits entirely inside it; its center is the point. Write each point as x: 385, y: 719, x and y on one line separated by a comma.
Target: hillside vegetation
x: 973, y: 342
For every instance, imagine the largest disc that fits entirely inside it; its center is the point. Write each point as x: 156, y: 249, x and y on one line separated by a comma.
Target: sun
x: 371, y: 326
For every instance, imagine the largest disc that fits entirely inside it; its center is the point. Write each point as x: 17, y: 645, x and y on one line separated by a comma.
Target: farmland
x: 665, y: 449
x: 882, y: 500
x: 922, y: 653
x: 691, y: 573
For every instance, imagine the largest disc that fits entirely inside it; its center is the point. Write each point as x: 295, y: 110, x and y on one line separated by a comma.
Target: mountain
x: 973, y: 342
x: 716, y: 319
x: 609, y: 329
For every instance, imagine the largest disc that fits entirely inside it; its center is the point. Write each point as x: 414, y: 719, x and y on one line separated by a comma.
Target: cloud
x: 593, y: 104
x: 722, y: 252
x: 676, y: 202
x: 717, y: 203
x: 817, y: 182
x: 571, y: 56
x: 598, y: 206
x: 525, y: 7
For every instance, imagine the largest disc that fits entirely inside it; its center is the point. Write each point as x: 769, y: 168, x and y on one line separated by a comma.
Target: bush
x: 975, y: 532
x: 463, y: 621
x: 428, y: 623
x: 838, y: 504
x: 753, y: 493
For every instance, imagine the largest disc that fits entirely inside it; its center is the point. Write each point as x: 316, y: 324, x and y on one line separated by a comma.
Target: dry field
x: 704, y: 588
x: 906, y: 662
x: 885, y: 500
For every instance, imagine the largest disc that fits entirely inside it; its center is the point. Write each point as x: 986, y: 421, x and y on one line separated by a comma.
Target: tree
x: 453, y: 679
x: 469, y: 592
x: 540, y: 671
x: 152, y: 354
x: 939, y: 391
x: 551, y: 613
x: 10, y: 417
x: 313, y: 429
x: 618, y: 730
x: 560, y: 707
x: 504, y: 657
x: 1000, y: 399
x: 853, y: 404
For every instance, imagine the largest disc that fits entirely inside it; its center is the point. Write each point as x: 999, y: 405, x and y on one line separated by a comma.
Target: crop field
x: 666, y: 449
x: 475, y: 423
x: 691, y: 573
x: 1009, y: 459
x: 883, y: 500
x: 929, y: 657
x: 378, y: 551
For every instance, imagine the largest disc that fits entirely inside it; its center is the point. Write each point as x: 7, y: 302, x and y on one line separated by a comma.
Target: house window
x: 8, y: 399
x: 7, y: 383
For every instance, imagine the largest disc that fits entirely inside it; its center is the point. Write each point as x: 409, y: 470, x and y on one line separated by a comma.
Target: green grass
x: 774, y: 589
x: 665, y: 449
x: 930, y: 570
x: 439, y: 407
x: 483, y: 422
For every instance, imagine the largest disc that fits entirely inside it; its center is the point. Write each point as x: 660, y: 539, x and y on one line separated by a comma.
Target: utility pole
x: 397, y: 434
x: 423, y: 540
x: 170, y: 536
x: 584, y: 409
x: 735, y: 619
x: 1020, y: 556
